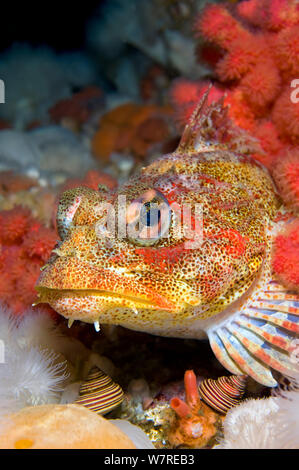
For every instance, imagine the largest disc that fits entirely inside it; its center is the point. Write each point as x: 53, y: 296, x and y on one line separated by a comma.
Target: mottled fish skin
x: 167, y: 288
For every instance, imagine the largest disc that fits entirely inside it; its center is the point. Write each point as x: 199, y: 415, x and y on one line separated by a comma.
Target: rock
x: 52, y: 153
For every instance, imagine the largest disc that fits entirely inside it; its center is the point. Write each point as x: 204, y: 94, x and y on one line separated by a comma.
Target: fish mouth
x: 69, y: 284
x: 97, y: 305
x: 114, y: 299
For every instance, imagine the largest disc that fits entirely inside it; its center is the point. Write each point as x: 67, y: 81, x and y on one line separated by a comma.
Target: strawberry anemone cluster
x: 257, y: 43
x: 25, y: 245
x: 286, y: 176
x: 286, y: 256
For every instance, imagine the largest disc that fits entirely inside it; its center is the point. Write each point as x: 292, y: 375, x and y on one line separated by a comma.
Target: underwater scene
x: 149, y: 225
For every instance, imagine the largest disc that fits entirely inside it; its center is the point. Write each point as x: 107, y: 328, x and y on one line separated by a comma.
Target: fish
x: 182, y: 249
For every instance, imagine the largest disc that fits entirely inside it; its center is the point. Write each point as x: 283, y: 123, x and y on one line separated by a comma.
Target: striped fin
x: 282, y: 322
x: 268, y: 333
x: 276, y: 307
x: 260, y: 336
x: 259, y: 349
x: 248, y: 364
x: 222, y: 355
x: 278, y: 296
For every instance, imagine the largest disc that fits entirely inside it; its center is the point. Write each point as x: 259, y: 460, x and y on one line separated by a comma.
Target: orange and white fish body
x: 183, y: 249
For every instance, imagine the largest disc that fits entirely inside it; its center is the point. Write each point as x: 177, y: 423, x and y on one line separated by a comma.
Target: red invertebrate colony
x: 185, y: 95
x: 258, y: 47
x: 25, y: 246
x: 131, y: 127
x: 285, y: 116
x: 286, y: 256
x: 11, y: 182
x: 76, y: 110
x: 286, y: 177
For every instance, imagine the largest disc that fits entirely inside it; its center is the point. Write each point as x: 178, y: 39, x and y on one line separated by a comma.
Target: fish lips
x: 66, y: 275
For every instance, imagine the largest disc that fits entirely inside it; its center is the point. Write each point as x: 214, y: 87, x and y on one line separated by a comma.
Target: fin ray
x: 276, y: 307
x: 267, y: 334
x: 222, y: 355
x: 260, y: 372
x: 259, y: 349
x: 283, y: 323
x: 277, y: 296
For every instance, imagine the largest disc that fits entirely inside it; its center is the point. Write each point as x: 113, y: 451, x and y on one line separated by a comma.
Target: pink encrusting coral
x: 258, y: 44
x: 219, y: 26
x: 287, y: 50
x: 270, y: 14
x: 25, y: 246
x: 285, y: 116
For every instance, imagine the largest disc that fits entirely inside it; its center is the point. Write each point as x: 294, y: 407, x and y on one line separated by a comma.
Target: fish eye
x: 148, y: 218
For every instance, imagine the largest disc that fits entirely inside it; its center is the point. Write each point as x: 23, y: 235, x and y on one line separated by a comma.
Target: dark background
x: 59, y: 24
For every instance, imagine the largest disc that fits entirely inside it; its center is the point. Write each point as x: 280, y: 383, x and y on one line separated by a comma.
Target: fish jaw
x: 108, y: 308
x: 81, y: 291
x: 92, y: 305
x: 68, y: 278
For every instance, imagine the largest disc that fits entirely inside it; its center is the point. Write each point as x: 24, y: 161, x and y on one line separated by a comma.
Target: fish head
x: 184, y: 237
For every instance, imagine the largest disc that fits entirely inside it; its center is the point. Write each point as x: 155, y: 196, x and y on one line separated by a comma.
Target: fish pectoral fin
x: 260, y: 338
x: 244, y: 360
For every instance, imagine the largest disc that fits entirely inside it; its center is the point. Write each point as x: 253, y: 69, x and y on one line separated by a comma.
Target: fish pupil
x: 150, y: 214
